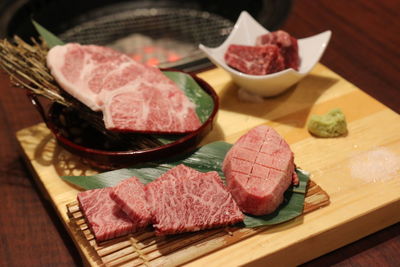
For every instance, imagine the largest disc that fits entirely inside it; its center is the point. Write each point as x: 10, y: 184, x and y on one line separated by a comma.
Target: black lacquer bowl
x: 116, y: 157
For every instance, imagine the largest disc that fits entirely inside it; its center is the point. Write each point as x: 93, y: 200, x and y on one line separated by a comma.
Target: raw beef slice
x: 106, y: 80
x: 131, y: 198
x: 258, y: 170
x: 150, y: 108
x: 185, y: 200
x: 255, y: 60
x: 287, y: 44
x: 83, y: 70
x: 104, y: 217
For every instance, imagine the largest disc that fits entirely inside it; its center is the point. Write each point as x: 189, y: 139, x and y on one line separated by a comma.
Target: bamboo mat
x: 146, y: 249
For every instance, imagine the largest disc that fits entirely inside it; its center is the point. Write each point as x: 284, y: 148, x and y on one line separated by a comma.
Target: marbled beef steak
x: 104, y: 217
x: 130, y: 196
x: 184, y: 200
x: 258, y: 170
x: 132, y: 96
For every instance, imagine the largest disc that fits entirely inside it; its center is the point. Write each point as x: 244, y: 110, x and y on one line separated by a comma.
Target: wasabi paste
x: 331, y: 124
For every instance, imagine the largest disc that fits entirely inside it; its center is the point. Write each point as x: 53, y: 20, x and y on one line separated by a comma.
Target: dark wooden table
x: 364, y: 49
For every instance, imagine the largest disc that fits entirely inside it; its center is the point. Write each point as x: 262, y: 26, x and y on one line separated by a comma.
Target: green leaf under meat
x: 204, y: 102
x: 206, y: 158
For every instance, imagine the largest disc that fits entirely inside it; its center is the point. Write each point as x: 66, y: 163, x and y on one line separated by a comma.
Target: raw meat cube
x: 287, y: 44
x: 255, y: 60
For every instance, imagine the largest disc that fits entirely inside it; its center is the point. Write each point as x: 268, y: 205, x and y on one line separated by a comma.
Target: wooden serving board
x: 360, y: 172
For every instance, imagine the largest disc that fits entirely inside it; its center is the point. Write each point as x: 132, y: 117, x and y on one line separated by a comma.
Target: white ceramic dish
x: 245, y: 32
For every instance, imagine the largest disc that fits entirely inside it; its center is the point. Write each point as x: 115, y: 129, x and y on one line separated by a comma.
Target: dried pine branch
x: 27, y: 68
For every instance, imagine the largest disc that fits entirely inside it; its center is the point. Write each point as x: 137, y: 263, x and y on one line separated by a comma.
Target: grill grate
x: 176, y: 31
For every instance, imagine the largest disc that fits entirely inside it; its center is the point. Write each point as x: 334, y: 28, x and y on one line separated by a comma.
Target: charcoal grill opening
x: 166, y: 37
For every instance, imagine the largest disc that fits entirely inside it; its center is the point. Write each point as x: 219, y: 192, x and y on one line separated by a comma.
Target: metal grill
x: 172, y: 30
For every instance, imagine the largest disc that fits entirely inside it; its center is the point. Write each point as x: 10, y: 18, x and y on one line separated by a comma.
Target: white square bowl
x: 245, y: 32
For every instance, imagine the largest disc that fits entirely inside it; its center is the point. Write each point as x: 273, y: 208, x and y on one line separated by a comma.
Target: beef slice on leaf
x: 185, y: 200
x: 132, y: 96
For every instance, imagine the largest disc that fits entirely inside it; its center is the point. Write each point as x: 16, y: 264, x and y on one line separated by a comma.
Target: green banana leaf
x: 204, y: 102
x: 51, y: 39
x: 206, y: 158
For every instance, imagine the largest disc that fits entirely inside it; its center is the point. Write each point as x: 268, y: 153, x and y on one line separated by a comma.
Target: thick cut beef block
x: 104, y: 217
x: 255, y: 60
x: 131, y: 95
x: 184, y: 200
x: 258, y: 170
x: 287, y: 44
x: 131, y: 198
